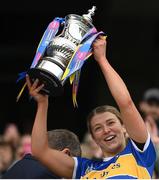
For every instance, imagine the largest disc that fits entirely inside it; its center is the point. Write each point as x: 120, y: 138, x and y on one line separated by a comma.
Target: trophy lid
x: 90, y: 13
x: 85, y: 19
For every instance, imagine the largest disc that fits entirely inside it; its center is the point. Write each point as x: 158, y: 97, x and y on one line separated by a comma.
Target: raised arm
x: 132, y: 120
x: 60, y: 164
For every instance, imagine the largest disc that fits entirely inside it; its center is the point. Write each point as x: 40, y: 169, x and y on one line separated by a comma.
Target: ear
x: 66, y: 151
x: 92, y: 137
x: 124, y: 130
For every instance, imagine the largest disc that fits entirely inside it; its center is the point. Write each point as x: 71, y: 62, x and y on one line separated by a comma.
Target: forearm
x: 116, y: 85
x: 130, y: 116
x: 39, y: 132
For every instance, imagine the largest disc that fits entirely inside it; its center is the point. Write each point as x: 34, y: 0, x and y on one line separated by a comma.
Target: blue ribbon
x: 48, y: 35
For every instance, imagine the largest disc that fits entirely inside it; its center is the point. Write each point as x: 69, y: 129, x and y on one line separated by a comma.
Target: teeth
x: 109, y: 138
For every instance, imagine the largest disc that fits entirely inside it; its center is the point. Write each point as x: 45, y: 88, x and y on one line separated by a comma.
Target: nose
x: 106, y: 129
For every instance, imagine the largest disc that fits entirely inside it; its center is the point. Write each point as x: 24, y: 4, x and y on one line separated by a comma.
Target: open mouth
x: 109, y: 138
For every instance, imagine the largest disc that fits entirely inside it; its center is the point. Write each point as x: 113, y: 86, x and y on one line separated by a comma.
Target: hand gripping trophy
x: 61, y: 55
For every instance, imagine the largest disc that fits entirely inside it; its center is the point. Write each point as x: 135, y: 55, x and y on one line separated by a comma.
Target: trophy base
x: 52, y: 85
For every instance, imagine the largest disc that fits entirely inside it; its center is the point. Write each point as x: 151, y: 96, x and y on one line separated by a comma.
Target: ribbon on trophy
x: 48, y: 35
x: 83, y: 52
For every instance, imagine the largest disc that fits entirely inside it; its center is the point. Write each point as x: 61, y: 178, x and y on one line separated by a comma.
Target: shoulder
x: 146, y: 155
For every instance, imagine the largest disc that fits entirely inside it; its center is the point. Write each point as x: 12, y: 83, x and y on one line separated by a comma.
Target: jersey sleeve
x: 147, y: 156
x: 82, y: 165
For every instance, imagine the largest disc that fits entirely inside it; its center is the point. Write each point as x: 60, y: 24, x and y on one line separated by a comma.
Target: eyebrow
x: 107, y: 120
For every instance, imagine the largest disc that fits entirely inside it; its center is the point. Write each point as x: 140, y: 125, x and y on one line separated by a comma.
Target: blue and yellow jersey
x: 131, y: 163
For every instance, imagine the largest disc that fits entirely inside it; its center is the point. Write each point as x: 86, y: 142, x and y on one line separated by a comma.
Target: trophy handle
x: 62, y: 24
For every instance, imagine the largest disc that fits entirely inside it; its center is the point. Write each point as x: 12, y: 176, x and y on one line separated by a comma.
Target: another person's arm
x: 132, y: 120
x: 61, y: 164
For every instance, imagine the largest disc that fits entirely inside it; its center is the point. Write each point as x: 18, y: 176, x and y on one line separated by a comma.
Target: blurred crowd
x: 13, y: 145
x: 149, y: 108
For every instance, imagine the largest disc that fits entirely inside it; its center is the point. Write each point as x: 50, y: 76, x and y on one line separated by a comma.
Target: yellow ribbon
x: 20, y: 93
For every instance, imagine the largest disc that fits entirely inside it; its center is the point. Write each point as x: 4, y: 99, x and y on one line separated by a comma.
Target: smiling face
x: 108, y: 133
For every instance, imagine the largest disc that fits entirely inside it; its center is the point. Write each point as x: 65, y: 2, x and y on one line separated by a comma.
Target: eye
x: 110, y: 123
x: 97, y: 129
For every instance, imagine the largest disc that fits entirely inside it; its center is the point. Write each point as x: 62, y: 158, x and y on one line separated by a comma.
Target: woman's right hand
x: 99, y: 48
x: 34, y: 90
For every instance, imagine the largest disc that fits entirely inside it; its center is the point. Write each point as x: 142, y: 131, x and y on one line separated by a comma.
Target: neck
x: 114, y: 152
